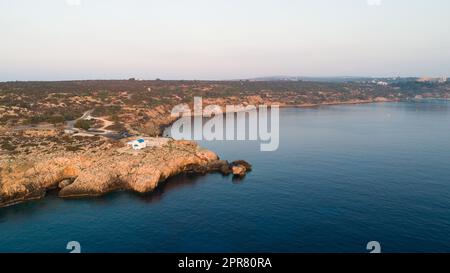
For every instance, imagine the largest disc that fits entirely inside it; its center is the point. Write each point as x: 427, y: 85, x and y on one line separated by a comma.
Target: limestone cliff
x: 98, y: 171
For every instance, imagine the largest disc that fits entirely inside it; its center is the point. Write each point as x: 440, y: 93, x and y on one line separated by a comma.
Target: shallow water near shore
x: 342, y: 176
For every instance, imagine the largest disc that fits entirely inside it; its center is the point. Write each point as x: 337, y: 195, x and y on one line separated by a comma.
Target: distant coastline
x: 55, y: 133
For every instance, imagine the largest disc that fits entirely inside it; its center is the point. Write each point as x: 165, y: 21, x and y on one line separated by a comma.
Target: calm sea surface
x: 343, y: 176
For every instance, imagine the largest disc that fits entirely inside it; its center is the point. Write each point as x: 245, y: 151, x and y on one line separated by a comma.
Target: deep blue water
x: 343, y: 176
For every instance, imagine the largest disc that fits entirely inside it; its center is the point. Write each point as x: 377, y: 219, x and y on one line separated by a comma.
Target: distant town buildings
x: 382, y: 83
x: 430, y: 79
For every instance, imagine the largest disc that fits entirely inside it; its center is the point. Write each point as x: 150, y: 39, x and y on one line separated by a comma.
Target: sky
x: 222, y: 39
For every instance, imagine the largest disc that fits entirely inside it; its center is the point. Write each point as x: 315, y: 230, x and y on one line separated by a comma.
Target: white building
x: 382, y: 83
x: 138, y: 144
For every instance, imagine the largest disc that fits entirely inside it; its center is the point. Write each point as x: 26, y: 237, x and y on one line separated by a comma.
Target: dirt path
x: 98, y: 131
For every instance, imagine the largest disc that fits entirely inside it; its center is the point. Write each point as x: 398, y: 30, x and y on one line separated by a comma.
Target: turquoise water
x: 343, y: 176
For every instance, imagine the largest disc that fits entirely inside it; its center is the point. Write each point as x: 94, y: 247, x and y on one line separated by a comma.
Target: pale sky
x: 222, y: 39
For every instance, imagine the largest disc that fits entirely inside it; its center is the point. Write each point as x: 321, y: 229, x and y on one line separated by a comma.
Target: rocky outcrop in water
x: 105, y: 169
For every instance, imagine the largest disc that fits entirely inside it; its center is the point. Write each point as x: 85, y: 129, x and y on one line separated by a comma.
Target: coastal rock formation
x: 240, y: 168
x: 102, y: 170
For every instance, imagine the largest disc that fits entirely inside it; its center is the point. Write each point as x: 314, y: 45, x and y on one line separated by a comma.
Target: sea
x: 342, y: 176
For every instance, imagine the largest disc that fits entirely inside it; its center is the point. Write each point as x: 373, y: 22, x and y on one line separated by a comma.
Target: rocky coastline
x: 110, y: 166
x: 41, y: 151
x: 107, y: 168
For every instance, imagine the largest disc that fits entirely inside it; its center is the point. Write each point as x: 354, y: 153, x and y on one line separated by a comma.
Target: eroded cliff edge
x: 103, y: 168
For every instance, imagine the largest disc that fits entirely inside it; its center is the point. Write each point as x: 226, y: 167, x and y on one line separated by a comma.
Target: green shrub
x: 8, y: 146
x: 106, y: 110
x: 70, y: 148
x: 83, y: 124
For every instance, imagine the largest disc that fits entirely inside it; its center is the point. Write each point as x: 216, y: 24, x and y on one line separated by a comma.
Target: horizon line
x: 258, y: 78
